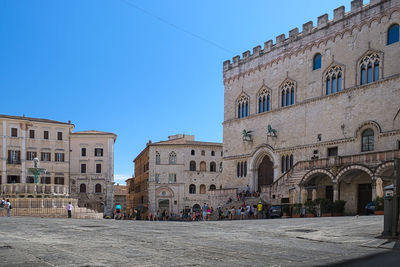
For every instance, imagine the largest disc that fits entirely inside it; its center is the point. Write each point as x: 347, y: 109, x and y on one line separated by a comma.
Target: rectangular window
x: 59, y: 180
x: 45, y: 156
x: 332, y: 151
x: 172, y: 178
x: 59, y: 136
x: 157, y: 178
x: 98, y: 168
x: 14, y: 157
x: 45, y: 180
x: 31, y: 134
x: 59, y: 157
x: 98, y: 152
x: 83, y: 152
x: 30, y: 179
x: 46, y: 135
x: 30, y: 155
x: 14, y: 132
x: 83, y: 168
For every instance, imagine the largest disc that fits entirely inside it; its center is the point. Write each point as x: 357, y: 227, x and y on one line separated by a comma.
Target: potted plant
x: 325, y: 205
x: 379, y: 206
x: 285, y: 210
x: 310, y: 208
x: 338, y: 207
x: 296, y: 210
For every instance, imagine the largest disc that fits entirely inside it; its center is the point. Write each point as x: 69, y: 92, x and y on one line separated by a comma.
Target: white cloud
x: 120, y: 178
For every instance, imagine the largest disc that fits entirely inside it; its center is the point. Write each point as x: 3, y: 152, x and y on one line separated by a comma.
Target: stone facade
x: 92, y: 169
x: 59, y: 152
x: 181, y: 173
x: 316, y: 123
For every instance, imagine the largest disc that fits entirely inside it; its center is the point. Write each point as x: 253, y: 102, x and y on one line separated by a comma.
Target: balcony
x: 13, y: 161
x: 35, y: 190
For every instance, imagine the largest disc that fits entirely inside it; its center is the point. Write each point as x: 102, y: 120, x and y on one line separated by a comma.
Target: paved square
x: 29, y: 241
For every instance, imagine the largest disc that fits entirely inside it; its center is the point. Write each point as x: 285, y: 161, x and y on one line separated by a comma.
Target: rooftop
x: 33, y: 119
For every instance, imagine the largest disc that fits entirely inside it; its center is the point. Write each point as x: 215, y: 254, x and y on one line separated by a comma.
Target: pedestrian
x: 260, y: 209
x: 208, y: 213
x: 204, y: 210
x: 9, y: 207
x: 2, y: 207
x: 69, y: 209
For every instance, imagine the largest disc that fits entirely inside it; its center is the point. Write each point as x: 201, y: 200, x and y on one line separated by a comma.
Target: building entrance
x: 364, y: 197
x: 265, y: 173
x: 163, y: 204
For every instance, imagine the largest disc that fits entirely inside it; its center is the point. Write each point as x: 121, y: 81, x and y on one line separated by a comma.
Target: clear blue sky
x: 135, y: 68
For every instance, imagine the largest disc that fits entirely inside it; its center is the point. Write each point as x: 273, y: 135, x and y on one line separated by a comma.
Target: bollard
x: 387, y: 217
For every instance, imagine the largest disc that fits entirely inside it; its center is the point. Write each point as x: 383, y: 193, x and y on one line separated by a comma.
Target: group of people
x: 244, y: 212
x: 5, y: 206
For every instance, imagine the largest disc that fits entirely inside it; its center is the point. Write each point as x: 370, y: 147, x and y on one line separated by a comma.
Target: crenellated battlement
x: 309, y: 29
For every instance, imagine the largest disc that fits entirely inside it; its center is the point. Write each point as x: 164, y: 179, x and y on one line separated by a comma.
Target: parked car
x: 370, y: 208
x: 275, y: 212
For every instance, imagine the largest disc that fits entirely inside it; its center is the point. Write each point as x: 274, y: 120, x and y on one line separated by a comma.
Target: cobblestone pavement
x: 26, y: 241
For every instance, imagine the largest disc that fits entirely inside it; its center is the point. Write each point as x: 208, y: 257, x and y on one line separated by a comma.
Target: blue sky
x: 141, y: 69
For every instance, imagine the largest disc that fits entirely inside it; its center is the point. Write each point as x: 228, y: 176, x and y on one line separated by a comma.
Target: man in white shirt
x: 69, y: 209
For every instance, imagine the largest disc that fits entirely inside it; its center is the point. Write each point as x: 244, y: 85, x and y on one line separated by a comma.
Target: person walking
x: 260, y: 210
x: 8, y: 207
x: 2, y: 207
x: 69, y: 210
x: 204, y: 210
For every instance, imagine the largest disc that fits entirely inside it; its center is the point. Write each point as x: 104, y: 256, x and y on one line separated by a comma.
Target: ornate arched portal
x: 263, y: 168
x: 265, y: 173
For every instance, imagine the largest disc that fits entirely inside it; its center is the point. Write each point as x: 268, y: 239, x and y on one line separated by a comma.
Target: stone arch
x: 385, y: 172
x: 358, y: 167
x: 255, y: 162
x: 356, y: 186
x: 318, y: 183
x: 168, y: 192
x: 314, y: 172
x: 373, y: 124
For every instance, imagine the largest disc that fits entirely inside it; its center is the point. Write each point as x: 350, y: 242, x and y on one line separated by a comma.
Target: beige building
x: 59, y: 152
x: 322, y: 106
x: 181, y: 174
x: 92, y: 169
x: 22, y: 140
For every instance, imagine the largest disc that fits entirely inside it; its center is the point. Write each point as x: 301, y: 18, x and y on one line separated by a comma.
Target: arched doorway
x: 265, y: 173
x: 196, y: 207
x: 320, y: 183
x: 163, y: 204
x: 355, y: 187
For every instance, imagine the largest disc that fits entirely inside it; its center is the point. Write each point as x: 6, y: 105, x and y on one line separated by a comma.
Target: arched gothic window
x: 172, y: 158
x: 213, y: 167
x: 283, y: 164
x: 334, y: 80
x: 203, y: 166
x: 291, y: 161
x: 393, y: 34
x: 369, y: 68
x: 367, y: 140
x: 192, y: 189
x: 97, y: 188
x: 192, y: 152
x: 238, y: 169
x: 82, y: 188
x: 213, y: 187
x: 264, y: 100
x: 213, y: 153
x: 220, y: 167
x: 243, y: 106
x: 158, y: 159
x: 288, y: 94
x: 192, y: 165
x: 317, y: 61
x: 287, y: 163
x: 202, y: 189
